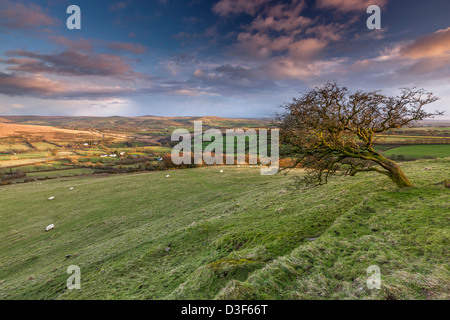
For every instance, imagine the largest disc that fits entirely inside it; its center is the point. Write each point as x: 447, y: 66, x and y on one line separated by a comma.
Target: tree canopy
x: 330, y: 130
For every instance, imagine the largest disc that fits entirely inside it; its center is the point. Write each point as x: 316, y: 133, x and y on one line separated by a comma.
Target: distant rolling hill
x: 11, y: 129
x: 132, y: 124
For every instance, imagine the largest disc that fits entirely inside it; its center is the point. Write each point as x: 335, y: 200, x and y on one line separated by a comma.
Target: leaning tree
x: 332, y: 131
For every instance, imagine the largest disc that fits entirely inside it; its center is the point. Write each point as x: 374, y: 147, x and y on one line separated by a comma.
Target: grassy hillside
x: 202, y: 234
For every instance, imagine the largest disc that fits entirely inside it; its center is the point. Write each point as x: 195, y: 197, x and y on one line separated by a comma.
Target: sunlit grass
x: 231, y: 235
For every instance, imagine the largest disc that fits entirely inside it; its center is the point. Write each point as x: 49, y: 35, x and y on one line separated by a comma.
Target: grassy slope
x: 117, y: 229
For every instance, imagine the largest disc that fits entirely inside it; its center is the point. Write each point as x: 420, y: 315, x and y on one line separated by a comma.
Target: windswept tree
x: 331, y: 131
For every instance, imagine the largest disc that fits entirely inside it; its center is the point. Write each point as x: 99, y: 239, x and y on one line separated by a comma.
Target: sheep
x: 221, y: 171
x: 71, y: 189
x: 168, y: 176
x: 50, y: 227
x: 51, y: 198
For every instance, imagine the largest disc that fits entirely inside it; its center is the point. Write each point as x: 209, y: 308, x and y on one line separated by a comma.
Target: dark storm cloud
x: 16, y: 85
x: 68, y: 63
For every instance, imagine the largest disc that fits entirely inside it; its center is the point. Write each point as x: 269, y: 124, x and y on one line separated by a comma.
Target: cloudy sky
x: 232, y: 58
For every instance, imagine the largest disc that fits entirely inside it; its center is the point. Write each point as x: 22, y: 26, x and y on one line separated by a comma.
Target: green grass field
x: 26, y: 155
x: 421, y: 151
x: 232, y: 235
x: 43, y: 146
x: 53, y: 165
x: 15, y: 147
x: 60, y: 173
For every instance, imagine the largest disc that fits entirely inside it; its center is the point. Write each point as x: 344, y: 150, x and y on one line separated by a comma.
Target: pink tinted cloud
x: 130, y: 47
x: 285, y: 24
x: 426, y: 58
x: 258, y: 45
x: 306, y: 49
x: 16, y: 15
x: 260, y: 41
x: 87, y: 46
x: 349, y: 5
x: 292, y: 9
x: 76, y: 45
x: 229, y: 7
x: 435, y: 45
x: 287, y: 44
x: 332, y: 32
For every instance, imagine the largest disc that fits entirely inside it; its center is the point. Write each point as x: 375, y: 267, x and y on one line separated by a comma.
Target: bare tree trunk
x: 395, y: 173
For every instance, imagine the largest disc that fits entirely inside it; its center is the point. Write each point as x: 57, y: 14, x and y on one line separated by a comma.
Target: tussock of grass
x: 227, y: 237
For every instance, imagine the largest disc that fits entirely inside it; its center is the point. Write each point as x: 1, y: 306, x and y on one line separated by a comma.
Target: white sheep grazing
x: 221, y: 171
x: 50, y: 227
x: 71, y: 189
x: 51, y: 198
x: 167, y: 176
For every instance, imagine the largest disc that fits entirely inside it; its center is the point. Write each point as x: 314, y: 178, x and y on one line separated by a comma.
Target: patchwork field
x: 44, y: 146
x: 92, y: 144
x: 203, y: 234
x: 23, y: 162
